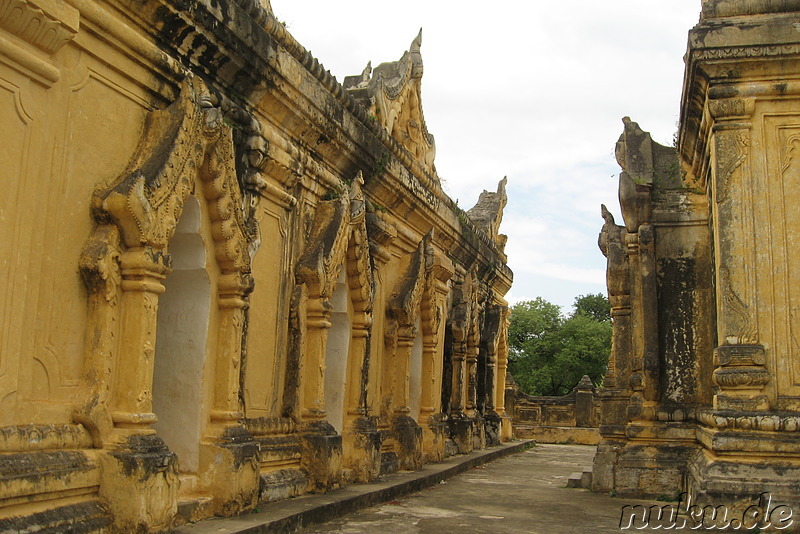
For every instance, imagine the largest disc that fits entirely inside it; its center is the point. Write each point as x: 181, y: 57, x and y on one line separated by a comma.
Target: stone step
x: 191, y: 509
x: 581, y: 479
x: 85, y: 517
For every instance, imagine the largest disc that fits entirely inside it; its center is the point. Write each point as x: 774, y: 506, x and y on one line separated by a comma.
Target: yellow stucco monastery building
x: 225, y: 277
x: 228, y: 279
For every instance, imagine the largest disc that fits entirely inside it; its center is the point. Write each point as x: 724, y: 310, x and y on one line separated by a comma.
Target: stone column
x: 431, y: 418
x: 139, y: 464
x: 359, y: 343
x: 407, y: 433
x: 229, y: 459
x: 471, y: 387
x: 361, y: 441
x: 491, y: 365
x: 492, y: 420
x: 615, y: 384
x: 381, y: 236
x: 461, y: 427
x: 143, y: 272
x: 430, y: 400
x: 490, y: 339
x: 459, y: 359
x: 644, y: 377
x: 400, y: 381
x: 506, y: 430
x: 232, y: 289
x: 321, y: 455
x: 584, y: 403
x: 471, y: 382
x: 615, y: 396
x: 318, y: 324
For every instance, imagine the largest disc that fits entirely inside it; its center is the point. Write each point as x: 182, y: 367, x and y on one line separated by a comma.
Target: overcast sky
x: 533, y: 90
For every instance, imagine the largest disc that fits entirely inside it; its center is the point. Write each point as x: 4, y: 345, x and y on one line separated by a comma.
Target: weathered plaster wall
x: 572, y: 418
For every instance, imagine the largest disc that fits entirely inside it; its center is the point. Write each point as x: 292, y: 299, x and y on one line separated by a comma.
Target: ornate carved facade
x: 701, y: 393
x: 226, y: 278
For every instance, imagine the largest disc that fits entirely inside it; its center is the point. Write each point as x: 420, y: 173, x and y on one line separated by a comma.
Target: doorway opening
x: 181, y: 332
x: 415, y: 373
x: 336, y: 353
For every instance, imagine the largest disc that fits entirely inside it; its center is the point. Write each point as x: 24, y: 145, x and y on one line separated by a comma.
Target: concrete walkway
x: 292, y: 514
x: 523, y: 493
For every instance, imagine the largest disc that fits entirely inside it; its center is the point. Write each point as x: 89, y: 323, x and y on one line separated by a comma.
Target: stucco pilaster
x: 143, y: 271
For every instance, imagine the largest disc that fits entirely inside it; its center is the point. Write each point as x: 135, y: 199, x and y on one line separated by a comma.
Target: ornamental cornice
x: 739, y: 52
x: 46, y: 24
x: 734, y: 8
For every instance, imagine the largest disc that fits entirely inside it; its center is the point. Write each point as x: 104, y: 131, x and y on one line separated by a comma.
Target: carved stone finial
x: 416, y: 43
x: 608, y: 217
x: 416, y: 56
x: 366, y: 74
x: 645, y: 165
x: 487, y: 214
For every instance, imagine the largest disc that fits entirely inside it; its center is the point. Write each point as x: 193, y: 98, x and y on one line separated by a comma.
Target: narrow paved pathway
x: 524, y: 493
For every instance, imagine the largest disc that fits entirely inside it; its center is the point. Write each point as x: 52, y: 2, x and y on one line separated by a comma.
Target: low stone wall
x: 569, y: 419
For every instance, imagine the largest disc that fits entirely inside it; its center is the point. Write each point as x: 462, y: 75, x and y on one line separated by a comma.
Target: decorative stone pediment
x: 186, y: 139
x: 490, y: 335
x: 392, y: 94
x: 359, y: 266
x: 339, y: 233
x: 404, y: 302
x: 319, y: 265
x: 183, y: 146
x: 464, y: 317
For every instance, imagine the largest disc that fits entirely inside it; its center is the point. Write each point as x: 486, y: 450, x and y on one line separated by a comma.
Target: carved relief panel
x: 777, y: 243
x: 733, y: 196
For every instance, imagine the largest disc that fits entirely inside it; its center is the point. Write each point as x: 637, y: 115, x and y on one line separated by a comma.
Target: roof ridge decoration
x: 487, y: 213
x: 392, y: 95
x: 263, y: 16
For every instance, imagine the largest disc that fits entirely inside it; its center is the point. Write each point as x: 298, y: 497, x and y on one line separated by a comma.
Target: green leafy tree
x: 594, y: 305
x: 532, y: 321
x: 549, y: 354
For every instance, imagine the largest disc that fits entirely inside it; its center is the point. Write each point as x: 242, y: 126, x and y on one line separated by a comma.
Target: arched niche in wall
x: 461, y: 342
x: 412, y: 335
x: 337, y: 351
x: 186, y: 157
x: 415, y: 372
x: 332, y: 307
x: 181, y: 333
